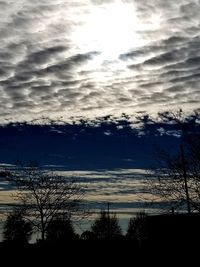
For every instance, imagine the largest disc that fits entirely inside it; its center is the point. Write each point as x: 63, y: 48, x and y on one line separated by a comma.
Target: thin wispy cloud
x: 64, y: 58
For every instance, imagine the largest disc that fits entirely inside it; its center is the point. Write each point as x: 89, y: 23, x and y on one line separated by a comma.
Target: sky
x: 93, y: 58
x: 103, y: 143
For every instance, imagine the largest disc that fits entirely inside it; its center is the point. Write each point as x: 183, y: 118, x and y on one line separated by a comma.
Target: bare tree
x: 45, y: 196
x: 177, y: 175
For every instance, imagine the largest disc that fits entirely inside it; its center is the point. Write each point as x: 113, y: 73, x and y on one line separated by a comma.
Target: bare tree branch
x: 44, y: 196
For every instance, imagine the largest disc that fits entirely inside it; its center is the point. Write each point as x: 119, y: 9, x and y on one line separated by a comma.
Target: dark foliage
x: 60, y: 230
x: 88, y: 235
x: 106, y: 227
x: 16, y: 228
x: 137, y: 228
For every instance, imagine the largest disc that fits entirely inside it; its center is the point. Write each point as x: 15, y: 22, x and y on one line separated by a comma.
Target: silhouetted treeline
x: 143, y: 232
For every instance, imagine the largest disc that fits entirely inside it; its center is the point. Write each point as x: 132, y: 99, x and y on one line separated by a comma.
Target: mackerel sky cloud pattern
x: 67, y: 57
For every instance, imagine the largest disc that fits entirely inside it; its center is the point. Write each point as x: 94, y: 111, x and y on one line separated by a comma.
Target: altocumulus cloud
x: 51, y: 66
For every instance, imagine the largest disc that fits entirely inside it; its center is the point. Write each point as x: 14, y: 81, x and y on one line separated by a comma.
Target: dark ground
x: 168, y: 236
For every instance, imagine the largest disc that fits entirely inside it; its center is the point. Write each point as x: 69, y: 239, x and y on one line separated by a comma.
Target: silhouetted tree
x: 16, y: 228
x: 46, y: 196
x: 60, y: 230
x: 177, y: 175
x: 137, y: 228
x: 106, y: 227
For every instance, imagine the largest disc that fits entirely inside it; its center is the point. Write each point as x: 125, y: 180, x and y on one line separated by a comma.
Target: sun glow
x: 110, y: 29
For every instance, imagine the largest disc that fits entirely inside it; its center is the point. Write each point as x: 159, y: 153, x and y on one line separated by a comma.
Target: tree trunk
x: 43, y: 227
x: 43, y: 235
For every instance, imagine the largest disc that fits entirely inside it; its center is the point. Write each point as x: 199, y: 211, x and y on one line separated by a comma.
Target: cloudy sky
x: 80, y: 57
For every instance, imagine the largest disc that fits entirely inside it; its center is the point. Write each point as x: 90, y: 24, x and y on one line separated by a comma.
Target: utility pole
x: 108, y: 209
x: 172, y: 210
x: 109, y: 226
x: 185, y: 179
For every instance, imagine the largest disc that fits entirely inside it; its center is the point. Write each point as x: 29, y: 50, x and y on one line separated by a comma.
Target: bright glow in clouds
x: 111, y: 29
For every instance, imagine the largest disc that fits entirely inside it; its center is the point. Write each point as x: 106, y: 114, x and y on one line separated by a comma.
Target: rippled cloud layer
x: 63, y: 58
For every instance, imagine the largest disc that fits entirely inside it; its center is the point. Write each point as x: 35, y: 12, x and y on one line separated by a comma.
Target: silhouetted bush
x: 88, y: 235
x: 16, y: 228
x: 60, y: 230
